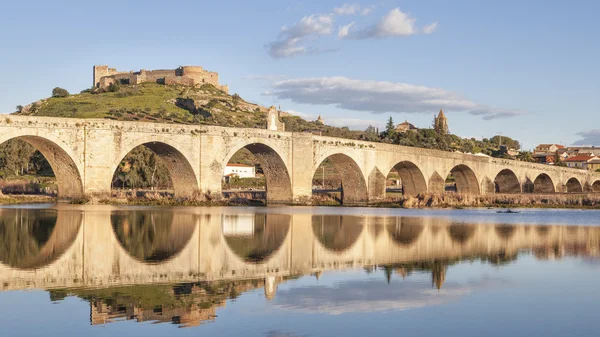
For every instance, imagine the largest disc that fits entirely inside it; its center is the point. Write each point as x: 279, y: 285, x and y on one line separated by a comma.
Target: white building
x: 238, y: 225
x: 240, y: 170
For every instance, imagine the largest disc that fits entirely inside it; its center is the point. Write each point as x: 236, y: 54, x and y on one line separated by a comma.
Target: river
x: 69, y: 270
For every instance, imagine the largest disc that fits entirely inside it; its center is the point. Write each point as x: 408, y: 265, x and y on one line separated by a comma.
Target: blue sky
x: 526, y: 69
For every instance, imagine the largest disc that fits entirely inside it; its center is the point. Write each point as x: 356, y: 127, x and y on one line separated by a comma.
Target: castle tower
x: 320, y: 120
x: 440, y: 123
x: 273, y: 122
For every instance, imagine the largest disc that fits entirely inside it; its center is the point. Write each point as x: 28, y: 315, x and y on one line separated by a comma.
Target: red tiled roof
x: 580, y: 158
x: 548, y: 145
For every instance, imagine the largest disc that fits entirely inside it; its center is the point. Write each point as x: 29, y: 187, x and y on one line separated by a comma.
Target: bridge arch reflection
x: 152, y: 236
x: 255, y: 238
x: 337, y: 233
x: 405, y: 230
x: 35, y: 238
x: 461, y: 233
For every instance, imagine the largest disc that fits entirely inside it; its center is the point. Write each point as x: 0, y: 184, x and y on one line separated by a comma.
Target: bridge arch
x: 405, y: 230
x: 543, y: 184
x: 337, y: 233
x: 255, y: 238
x: 61, y: 159
x: 411, y: 176
x: 354, y: 186
x: 35, y: 238
x: 182, y: 173
x: 465, y: 179
x: 596, y: 186
x: 506, y: 181
x: 152, y: 236
x: 278, y: 182
x: 574, y: 186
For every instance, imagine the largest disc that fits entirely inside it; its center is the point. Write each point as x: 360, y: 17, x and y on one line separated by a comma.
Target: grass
x: 154, y: 102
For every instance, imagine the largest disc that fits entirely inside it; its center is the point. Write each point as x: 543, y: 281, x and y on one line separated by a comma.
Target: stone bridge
x: 84, y: 154
x: 102, y: 246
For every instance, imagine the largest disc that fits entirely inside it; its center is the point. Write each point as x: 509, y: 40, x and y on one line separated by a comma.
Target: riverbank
x: 446, y: 200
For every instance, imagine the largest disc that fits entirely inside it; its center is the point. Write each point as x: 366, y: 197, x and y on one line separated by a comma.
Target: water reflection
x: 181, y: 266
x: 337, y: 232
x: 152, y: 236
x: 405, y: 230
x: 33, y: 238
x: 255, y: 237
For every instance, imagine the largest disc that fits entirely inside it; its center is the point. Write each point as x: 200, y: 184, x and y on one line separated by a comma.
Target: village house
x: 239, y: 170
x: 406, y: 126
x: 582, y: 161
x: 546, y: 153
x: 572, y: 151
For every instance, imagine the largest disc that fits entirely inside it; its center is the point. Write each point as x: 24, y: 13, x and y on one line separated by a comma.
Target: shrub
x: 59, y: 92
x: 114, y: 87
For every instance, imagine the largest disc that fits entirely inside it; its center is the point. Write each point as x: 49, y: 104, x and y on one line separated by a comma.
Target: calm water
x: 141, y: 271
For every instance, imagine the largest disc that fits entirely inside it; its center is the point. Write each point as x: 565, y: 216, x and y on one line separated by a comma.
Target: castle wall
x: 188, y: 75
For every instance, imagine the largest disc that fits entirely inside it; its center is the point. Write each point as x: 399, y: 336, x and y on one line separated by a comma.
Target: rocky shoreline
x: 446, y: 200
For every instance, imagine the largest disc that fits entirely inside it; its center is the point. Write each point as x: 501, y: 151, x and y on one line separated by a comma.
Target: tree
x: 526, y: 156
x: 236, y: 98
x: 59, y: 92
x: 19, y: 108
x: 390, y: 129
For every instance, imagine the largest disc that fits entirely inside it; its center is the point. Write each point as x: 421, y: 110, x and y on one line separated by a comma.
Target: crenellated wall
x: 186, y: 75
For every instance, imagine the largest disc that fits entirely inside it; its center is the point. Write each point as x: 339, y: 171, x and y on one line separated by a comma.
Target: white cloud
x: 347, y: 9
x: 394, y: 23
x: 373, y: 296
x: 343, y: 31
x: 380, y: 97
x: 430, y: 28
x: 366, y: 11
x: 591, y: 137
x: 352, y: 9
x: 290, y: 39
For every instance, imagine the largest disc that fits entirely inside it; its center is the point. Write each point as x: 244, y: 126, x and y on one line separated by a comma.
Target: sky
x: 523, y: 69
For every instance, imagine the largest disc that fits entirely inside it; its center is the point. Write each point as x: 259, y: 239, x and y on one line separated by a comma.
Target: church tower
x: 440, y: 123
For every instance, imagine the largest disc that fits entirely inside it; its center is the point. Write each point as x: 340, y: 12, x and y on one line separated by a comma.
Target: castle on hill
x: 186, y: 75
